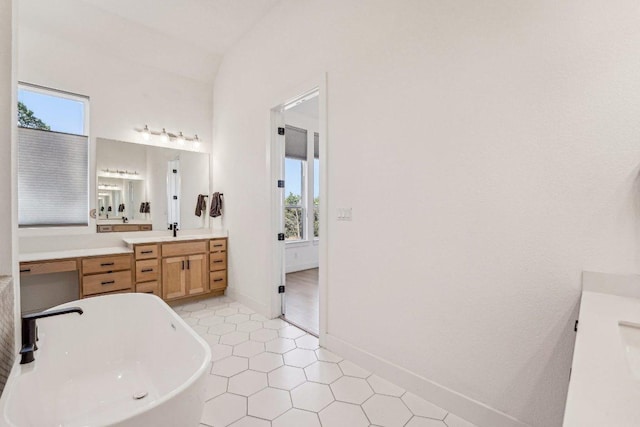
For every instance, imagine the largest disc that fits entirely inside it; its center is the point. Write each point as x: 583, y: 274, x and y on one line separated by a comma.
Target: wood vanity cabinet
x: 106, y: 274
x: 218, y: 265
x: 172, y: 270
x: 121, y: 228
x: 46, y: 267
x: 184, y: 276
x: 184, y: 269
x: 197, y: 267
x: 148, y: 271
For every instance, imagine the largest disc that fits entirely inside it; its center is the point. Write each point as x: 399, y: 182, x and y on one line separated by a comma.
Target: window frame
x: 43, y: 90
x: 86, y: 102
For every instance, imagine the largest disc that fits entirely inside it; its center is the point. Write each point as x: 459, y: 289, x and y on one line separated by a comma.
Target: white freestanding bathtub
x: 92, y: 369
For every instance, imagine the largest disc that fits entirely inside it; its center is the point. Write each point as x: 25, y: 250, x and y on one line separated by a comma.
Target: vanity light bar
x: 120, y: 174
x: 168, y: 136
x: 124, y: 172
x: 108, y: 187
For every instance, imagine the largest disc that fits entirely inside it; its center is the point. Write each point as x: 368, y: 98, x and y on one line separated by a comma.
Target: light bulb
x: 164, y: 136
x: 180, y: 138
x: 196, y: 141
x: 146, y: 133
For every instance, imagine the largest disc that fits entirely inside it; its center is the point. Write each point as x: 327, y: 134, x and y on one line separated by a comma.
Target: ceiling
x: 187, y: 37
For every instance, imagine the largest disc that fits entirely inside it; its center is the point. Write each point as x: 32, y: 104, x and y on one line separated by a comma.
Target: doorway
x: 299, y: 193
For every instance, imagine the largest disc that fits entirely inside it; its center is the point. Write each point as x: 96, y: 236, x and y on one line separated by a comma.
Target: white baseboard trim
x: 254, y: 305
x: 300, y: 267
x: 471, y: 410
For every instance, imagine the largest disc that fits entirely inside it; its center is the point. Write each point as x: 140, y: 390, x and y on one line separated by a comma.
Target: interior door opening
x: 301, y: 212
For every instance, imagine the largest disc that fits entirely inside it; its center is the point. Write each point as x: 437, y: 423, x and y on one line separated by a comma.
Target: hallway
x: 302, y: 299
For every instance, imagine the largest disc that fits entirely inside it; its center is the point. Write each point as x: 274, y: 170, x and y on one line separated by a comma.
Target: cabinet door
x: 197, y: 272
x: 174, y: 277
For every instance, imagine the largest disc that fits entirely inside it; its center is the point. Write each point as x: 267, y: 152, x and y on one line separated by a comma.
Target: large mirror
x: 143, y: 187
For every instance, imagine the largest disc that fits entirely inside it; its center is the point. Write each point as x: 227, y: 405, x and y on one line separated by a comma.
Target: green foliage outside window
x: 293, y: 217
x: 316, y: 217
x: 27, y: 119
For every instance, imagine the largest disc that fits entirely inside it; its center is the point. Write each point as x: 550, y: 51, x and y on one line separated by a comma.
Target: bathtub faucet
x: 30, y: 330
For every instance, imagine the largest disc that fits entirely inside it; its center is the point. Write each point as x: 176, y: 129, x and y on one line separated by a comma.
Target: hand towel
x: 201, y: 204
x: 216, y: 205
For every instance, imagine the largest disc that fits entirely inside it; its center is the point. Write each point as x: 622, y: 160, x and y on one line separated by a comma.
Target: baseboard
x: 301, y: 267
x: 471, y: 410
x: 254, y: 305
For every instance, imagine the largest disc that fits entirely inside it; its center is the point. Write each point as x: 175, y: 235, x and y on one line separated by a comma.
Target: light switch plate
x: 345, y: 214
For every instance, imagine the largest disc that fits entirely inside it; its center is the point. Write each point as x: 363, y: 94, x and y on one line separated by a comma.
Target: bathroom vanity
x: 122, y: 227
x: 604, y: 389
x: 172, y: 268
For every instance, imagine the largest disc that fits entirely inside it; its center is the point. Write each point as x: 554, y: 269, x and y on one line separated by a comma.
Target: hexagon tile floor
x: 267, y: 373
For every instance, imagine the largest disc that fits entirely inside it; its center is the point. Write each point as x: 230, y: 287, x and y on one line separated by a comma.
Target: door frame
x: 275, y: 155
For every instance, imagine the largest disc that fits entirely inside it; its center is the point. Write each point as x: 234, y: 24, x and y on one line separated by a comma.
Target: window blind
x: 316, y: 145
x: 295, y: 143
x: 53, y: 178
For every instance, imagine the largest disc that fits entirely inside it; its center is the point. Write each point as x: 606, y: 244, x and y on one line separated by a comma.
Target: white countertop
x: 168, y: 237
x: 61, y: 247
x: 73, y: 253
x: 118, y: 221
x: 602, y: 389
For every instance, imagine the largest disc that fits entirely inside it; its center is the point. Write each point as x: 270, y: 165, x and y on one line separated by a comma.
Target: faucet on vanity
x: 174, y: 227
x: 30, y: 331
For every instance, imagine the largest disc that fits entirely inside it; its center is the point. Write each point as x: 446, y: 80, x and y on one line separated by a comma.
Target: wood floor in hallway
x: 302, y: 299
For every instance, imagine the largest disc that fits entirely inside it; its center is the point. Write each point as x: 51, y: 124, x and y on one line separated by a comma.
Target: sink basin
x: 630, y: 334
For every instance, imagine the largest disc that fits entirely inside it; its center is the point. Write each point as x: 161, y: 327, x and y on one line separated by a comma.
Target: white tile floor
x: 267, y: 373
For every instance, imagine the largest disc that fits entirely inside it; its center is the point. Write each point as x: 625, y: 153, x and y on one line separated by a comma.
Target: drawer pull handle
x: 146, y: 252
x: 109, y: 282
x: 106, y: 264
x: 188, y: 264
x: 26, y: 270
x: 183, y: 265
x: 218, y: 260
x: 218, y: 246
x: 147, y: 270
x: 149, y: 292
x: 218, y: 280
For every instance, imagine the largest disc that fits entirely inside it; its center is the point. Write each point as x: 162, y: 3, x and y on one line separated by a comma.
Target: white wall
x: 490, y: 152
x: 124, y: 95
x: 9, y: 298
x: 6, y: 115
x: 303, y: 255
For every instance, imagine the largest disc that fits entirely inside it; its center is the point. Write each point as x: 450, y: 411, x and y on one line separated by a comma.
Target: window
x: 53, y: 158
x: 295, y: 189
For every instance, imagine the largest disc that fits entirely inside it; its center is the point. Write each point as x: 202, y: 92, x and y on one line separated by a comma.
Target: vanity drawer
x: 218, y: 245
x: 107, y: 282
x: 146, y: 227
x: 146, y: 251
x: 125, y: 227
x: 149, y: 288
x: 217, y: 280
x: 34, y: 268
x: 186, y: 248
x: 147, y: 270
x: 218, y: 261
x: 104, y: 264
